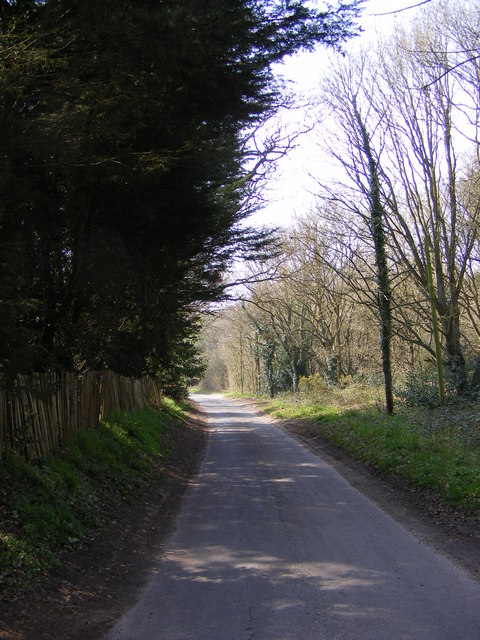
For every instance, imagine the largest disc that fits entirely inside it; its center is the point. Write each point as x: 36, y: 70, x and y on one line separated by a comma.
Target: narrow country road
x: 273, y: 544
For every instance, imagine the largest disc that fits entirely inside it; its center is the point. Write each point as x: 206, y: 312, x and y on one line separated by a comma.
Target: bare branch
x: 390, y: 13
x: 449, y: 70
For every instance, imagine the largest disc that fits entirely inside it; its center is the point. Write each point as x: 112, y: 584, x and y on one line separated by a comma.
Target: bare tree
x: 325, y: 274
x: 345, y: 94
x: 423, y: 197
x: 403, y: 130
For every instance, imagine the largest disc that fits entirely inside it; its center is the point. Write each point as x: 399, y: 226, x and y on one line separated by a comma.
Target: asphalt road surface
x: 273, y: 544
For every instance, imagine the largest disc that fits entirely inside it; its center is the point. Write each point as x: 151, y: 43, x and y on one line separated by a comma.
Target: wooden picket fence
x: 39, y: 412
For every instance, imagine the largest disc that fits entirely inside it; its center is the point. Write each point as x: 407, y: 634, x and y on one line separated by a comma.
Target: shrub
x: 313, y: 387
x: 420, y: 388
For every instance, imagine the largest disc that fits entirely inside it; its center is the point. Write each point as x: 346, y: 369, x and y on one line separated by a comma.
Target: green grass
x: 436, y: 450
x: 55, y: 504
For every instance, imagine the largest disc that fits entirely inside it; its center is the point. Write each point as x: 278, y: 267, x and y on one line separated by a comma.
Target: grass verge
x: 55, y: 504
x: 438, y: 450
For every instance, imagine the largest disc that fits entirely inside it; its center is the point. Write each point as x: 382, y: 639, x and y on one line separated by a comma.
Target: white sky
x: 292, y: 189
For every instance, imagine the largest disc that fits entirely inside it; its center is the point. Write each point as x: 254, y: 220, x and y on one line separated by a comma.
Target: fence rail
x: 39, y: 412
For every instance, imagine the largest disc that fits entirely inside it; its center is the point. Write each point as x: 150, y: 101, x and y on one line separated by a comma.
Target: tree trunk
x: 456, y: 360
x: 475, y: 382
x: 436, y: 334
x: 384, y: 295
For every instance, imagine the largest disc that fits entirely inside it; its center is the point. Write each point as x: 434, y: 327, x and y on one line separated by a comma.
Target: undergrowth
x: 58, y: 502
x: 435, y: 449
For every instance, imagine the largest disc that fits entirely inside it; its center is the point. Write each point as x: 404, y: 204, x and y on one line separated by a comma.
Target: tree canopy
x: 123, y: 176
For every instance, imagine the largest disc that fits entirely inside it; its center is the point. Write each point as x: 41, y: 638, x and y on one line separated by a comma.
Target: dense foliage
x: 123, y: 174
